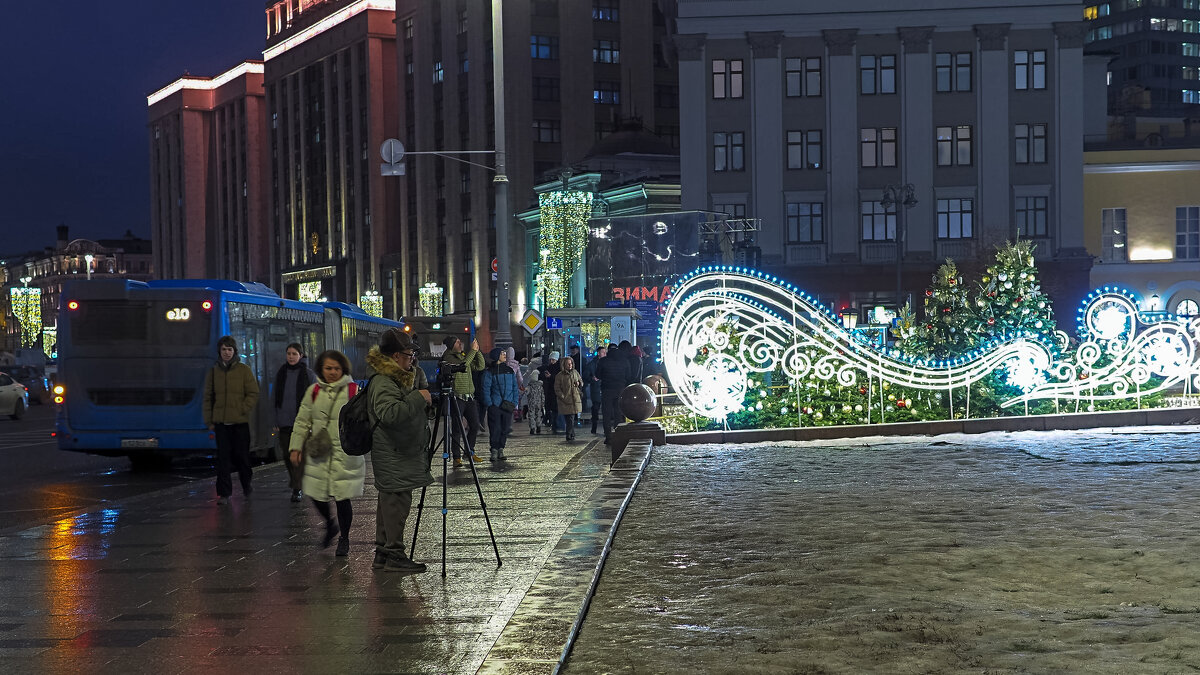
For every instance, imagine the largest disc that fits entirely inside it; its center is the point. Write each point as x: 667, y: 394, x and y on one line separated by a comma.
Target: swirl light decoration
x: 1124, y: 353
x: 781, y: 326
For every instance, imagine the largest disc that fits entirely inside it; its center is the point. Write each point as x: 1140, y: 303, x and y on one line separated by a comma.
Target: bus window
x: 129, y: 323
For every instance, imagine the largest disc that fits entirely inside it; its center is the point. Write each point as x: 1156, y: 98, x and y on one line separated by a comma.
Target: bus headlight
x: 59, y: 390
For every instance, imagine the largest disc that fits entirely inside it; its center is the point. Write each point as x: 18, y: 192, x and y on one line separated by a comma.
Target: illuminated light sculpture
x: 780, y: 326
x: 27, y: 307
x: 430, y: 296
x: 50, y: 341
x: 308, y: 291
x: 563, y: 217
x: 1124, y: 353
x: 372, y: 303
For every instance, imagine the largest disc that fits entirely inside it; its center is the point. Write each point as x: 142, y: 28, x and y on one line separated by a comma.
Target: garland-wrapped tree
x: 950, y: 326
x: 1010, y: 298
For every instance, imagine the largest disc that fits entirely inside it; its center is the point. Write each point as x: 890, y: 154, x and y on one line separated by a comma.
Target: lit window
x: 543, y: 47
x: 955, y: 218
x: 1112, y: 235
x: 727, y: 78
x: 607, y: 51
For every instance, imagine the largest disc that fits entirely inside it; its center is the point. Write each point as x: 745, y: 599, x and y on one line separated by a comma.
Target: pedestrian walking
x: 568, y: 388
x: 464, y: 390
x: 330, y: 475
x: 613, y: 372
x: 399, y: 446
x: 500, y: 393
x: 549, y: 371
x: 591, y: 380
x: 230, y: 394
x: 535, y: 397
x: 291, y: 381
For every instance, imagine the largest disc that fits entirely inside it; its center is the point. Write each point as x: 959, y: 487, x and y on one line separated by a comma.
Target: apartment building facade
x: 573, y: 69
x: 207, y: 140
x: 803, y: 117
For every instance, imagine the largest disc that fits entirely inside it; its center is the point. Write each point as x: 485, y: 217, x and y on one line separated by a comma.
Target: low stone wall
x: 1095, y: 420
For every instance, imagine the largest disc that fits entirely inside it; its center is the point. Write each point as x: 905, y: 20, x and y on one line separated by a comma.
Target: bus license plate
x: 139, y: 442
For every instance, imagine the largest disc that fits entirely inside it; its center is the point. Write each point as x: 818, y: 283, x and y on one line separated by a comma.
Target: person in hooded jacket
x: 230, y: 394
x: 499, y: 386
x: 291, y: 381
x: 399, y: 447
x: 535, y: 397
x: 330, y: 475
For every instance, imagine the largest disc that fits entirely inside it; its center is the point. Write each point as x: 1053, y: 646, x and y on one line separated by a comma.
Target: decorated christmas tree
x: 950, y: 326
x: 1010, y: 298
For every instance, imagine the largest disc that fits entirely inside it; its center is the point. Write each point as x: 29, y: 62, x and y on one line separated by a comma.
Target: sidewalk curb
x: 555, y: 605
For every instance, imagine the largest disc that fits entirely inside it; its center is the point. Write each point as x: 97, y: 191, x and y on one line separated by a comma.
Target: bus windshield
x: 130, y: 322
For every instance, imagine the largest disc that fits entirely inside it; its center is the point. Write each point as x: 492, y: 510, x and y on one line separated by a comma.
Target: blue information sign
x: 553, y: 323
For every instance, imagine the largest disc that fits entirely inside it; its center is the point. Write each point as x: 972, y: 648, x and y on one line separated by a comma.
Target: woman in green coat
x: 399, y: 446
x: 330, y: 475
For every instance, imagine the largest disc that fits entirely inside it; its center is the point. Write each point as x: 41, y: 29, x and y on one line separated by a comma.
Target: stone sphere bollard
x: 637, y: 402
x: 657, y: 384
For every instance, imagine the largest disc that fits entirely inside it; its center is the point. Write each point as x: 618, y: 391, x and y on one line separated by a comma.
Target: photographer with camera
x: 399, y: 453
x: 463, y: 366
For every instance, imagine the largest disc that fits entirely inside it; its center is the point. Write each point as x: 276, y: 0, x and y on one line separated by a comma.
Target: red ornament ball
x: 862, y: 390
x: 929, y: 293
x: 900, y: 403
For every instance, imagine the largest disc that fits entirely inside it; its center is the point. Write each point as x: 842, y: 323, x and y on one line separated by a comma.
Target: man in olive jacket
x: 464, y: 392
x: 230, y: 394
x: 399, y: 452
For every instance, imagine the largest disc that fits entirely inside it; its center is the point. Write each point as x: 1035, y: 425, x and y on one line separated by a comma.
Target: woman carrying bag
x: 330, y: 475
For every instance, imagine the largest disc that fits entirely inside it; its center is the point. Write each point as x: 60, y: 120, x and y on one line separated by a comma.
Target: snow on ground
x: 1050, y: 552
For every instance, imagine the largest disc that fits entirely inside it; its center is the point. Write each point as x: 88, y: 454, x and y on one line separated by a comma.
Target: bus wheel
x: 18, y: 410
x: 148, y: 460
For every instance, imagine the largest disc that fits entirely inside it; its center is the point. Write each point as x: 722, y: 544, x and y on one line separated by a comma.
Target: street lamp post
x: 903, y: 197
x: 502, y: 336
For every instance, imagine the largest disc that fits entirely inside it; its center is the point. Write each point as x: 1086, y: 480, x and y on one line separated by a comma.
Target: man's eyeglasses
x: 411, y: 355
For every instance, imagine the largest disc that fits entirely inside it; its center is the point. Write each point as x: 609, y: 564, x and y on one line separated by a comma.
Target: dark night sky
x: 73, y: 145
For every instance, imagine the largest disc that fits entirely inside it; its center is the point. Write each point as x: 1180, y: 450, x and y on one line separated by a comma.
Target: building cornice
x: 1142, y: 167
x: 765, y: 45
x: 690, y: 47
x: 992, y: 36
x: 840, y: 41
x: 916, y: 38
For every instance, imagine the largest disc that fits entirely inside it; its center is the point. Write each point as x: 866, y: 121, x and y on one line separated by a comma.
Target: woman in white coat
x: 330, y: 475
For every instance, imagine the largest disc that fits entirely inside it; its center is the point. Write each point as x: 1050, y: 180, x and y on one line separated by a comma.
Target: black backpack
x: 354, y: 423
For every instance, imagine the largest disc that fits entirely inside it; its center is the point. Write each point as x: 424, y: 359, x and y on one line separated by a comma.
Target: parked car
x: 14, y: 397
x: 34, y: 379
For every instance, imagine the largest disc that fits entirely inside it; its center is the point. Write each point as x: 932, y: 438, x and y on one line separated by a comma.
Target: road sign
x: 553, y: 323
x: 392, y: 151
x: 531, y: 321
x: 391, y: 169
x: 495, y: 264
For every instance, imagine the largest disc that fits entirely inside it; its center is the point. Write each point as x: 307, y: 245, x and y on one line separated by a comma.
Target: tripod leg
x: 478, y: 490
x: 412, y: 549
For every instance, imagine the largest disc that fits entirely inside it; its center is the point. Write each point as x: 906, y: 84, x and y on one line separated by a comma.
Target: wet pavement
x: 1025, y: 552
x: 169, y: 582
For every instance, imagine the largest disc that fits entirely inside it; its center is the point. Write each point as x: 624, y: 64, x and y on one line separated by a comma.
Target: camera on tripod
x: 445, y: 381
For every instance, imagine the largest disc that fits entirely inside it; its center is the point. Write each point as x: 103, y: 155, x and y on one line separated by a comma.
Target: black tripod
x: 448, y: 411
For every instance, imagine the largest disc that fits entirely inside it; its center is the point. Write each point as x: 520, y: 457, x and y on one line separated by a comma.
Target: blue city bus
x: 132, y: 358
x: 428, y: 333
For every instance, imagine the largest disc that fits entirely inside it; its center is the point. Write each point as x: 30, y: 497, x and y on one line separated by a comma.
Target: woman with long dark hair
x: 291, y: 381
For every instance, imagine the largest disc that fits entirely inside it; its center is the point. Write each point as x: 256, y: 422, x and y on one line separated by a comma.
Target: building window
x: 877, y: 74
x: 545, y: 89
x: 1187, y: 233
x: 732, y: 210
x: 727, y: 78
x: 438, y: 74
x: 466, y: 226
x: 1030, y: 143
x: 605, y: 10
x: 607, y: 92
x: 543, y: 47
x: 878, y: 223
x: 462, y: 21
x: 729, y: 150
x: 955, y: 218
x: 804, y: 149
x: 952, y: 72
x: 878, y: 147
x: 954, y: 146
x: 802, y: 76
x: 464, y: 182
x: 804, y: 222
x: 464, y: 64
x: 1112, y: 235
x: 1031, y: 216
x: 470, y: 300
x: 1187, y: 307
x: 1029, y: 69
x: 408, y: 28
x: 546, y: 131
x: 607, y: 51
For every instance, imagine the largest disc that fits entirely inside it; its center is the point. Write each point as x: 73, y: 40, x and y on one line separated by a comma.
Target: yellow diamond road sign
x: 532, y: 321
